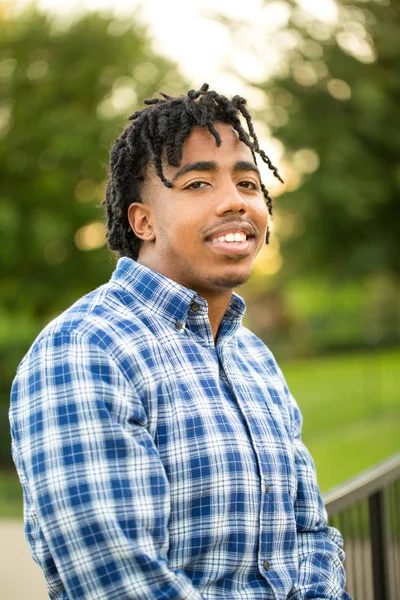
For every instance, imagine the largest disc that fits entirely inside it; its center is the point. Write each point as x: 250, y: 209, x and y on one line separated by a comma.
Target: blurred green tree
x: 65, y: 92
x: 334, y: 105
x: 332, y: 99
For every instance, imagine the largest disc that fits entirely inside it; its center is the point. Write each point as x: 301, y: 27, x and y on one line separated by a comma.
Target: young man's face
x: 187, y: 230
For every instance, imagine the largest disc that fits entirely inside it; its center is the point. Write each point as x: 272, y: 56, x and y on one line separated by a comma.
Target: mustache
x: 226, y: 221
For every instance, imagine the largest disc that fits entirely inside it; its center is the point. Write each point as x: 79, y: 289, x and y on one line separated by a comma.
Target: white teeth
x: 231, y: 237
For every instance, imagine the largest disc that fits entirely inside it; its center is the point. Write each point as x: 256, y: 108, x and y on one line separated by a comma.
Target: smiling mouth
x: 231, y: 238
x: 237, y: 243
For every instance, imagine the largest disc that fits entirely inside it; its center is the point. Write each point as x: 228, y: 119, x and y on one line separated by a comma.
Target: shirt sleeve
x: 320, y: 547
x: 93, y: 472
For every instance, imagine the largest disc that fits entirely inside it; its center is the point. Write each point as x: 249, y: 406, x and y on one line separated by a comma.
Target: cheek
x: 263, y: 220
x: 261, y: 215
x: 180, y: 230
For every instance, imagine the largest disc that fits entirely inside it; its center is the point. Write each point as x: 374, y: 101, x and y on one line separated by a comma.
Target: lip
x: 231, y: 248
x: 231, y: 228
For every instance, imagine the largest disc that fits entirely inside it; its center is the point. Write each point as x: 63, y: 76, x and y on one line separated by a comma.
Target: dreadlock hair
x: 165, y: 124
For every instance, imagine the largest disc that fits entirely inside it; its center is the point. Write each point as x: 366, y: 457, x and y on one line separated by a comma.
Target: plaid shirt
x: 156, y: 464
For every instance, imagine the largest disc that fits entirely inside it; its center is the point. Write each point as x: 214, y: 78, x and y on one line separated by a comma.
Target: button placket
x: 264, y: 565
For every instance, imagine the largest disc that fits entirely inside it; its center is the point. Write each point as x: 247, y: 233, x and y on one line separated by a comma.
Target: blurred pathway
x: 20, y: 577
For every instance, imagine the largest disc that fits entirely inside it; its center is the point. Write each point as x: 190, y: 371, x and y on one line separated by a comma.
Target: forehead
x: 201, y: 145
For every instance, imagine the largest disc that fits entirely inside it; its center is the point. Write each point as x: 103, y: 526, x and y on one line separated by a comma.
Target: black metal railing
x: 367, y: 512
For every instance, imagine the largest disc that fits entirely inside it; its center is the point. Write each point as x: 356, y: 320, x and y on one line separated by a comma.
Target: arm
x: 94, y: 474
x: 320, y: 547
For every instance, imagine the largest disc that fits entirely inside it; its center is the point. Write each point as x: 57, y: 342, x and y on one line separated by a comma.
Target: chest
x: 220, y: 416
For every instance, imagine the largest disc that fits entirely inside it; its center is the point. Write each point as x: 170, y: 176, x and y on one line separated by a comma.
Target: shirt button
x: 266, y: 565
x: 267, y: 488
x: 179, y: 325
x: 195, y: 307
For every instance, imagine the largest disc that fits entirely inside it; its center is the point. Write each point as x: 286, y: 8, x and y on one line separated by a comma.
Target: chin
x: 230, y: 280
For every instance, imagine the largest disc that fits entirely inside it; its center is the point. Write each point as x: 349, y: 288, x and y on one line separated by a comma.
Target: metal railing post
x: 380, y: 553
x: 379, y: 545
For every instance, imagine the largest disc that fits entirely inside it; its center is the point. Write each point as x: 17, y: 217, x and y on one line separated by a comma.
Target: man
x: 156, y: 441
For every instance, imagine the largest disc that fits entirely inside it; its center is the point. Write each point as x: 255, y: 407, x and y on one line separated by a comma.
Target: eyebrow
x: 201, y: 165
x: 245, y: 165
x: 210, y: 165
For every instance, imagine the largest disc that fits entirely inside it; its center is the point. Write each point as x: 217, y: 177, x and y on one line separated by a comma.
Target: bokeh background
x: 322, y: 80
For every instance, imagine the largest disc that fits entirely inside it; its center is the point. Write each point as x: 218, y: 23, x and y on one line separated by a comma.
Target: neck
x: 218, y: 300
x: 217, y: 305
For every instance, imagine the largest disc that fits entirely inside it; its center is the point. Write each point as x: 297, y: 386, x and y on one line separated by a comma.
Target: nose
x: 231, y: 201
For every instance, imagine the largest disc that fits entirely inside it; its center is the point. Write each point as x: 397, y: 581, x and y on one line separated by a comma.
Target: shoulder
x: 105, y: 320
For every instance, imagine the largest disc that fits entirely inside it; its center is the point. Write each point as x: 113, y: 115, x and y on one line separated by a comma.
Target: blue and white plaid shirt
x: 156, y: 464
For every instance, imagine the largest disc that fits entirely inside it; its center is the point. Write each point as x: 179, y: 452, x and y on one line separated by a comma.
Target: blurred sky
x: 188, y: 32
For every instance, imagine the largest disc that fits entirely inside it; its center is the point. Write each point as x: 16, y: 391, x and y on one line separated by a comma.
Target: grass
x: 10, y: 495
x: 351, y: 409
x: 358, y: 446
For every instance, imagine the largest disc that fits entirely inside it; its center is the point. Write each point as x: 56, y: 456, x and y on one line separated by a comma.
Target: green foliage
x: 339, y: 97
x: 65, y: 94
x: 333, y: 102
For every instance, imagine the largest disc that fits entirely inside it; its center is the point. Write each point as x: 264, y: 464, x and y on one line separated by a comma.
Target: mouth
x: 234, y: 243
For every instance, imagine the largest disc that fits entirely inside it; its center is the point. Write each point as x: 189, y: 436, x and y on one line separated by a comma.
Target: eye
x: 249, y: 185
x: 196, y: 185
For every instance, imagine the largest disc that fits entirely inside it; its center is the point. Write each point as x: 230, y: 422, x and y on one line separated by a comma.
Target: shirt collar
x: 171, y: 300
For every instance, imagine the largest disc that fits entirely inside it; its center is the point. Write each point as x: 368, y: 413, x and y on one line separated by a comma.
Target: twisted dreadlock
x: 166, y: 123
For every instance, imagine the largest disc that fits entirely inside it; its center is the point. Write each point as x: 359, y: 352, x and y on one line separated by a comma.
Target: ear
x: 140, y: 220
